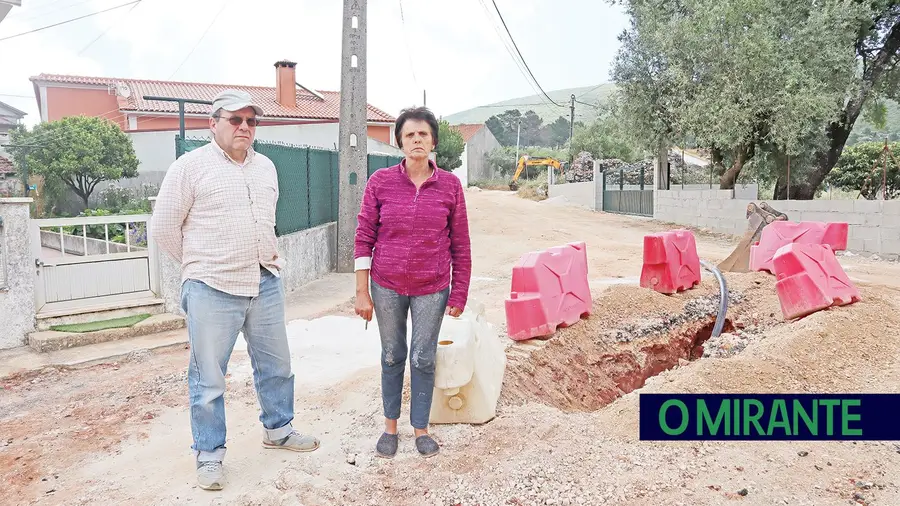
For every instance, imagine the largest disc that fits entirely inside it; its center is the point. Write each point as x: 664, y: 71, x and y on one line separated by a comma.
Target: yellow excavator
x: 527, y: 160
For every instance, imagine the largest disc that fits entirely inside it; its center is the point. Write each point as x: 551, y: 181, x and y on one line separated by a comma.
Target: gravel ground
x: 566, y: 430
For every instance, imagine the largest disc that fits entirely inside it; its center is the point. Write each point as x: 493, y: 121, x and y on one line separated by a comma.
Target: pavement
x: 316, y: 297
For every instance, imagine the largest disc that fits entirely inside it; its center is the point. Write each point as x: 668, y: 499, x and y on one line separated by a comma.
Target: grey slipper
x: 426, y: 446
x: 387, y: 445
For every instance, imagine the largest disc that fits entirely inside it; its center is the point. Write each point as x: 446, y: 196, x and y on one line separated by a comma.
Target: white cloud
x: 451, y: 45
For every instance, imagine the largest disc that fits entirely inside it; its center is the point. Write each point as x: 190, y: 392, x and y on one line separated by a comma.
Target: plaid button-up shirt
x: 217, y: 218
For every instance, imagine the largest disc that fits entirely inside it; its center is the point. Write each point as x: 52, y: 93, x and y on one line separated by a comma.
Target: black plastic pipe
x: 723, y: 298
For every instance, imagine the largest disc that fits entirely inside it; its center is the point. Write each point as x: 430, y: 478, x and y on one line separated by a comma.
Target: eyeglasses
x: 237, y: 120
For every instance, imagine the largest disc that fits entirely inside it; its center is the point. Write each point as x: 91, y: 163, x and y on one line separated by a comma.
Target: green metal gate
x: 627, y: 191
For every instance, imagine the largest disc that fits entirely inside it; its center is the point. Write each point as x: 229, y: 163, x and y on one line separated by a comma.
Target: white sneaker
x: 210, y: 475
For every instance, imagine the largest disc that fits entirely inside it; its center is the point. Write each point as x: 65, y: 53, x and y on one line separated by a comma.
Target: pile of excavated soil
x: 634, y: 334
x: 534, y: 454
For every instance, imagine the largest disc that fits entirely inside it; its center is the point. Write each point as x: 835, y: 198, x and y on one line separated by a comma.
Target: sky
x: 452, y: 49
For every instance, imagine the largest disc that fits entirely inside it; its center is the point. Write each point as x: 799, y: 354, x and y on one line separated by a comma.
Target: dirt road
x: 566, y: 431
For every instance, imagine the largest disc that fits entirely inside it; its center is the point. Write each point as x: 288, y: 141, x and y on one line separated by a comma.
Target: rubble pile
x: 582, y: 168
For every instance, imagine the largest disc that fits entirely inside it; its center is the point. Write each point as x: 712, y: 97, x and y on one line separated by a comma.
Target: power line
x: 509, y: 50
x: 69, y: 20
x: 590, y: 90
x: 520, y: 55
x: 201, y: 38
x: 408, y: 50
x: 111, y: 25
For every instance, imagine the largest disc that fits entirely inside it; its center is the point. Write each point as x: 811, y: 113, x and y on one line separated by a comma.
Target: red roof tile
x: 468, y: 130
x: 308, y: 105
x: 6, y: 166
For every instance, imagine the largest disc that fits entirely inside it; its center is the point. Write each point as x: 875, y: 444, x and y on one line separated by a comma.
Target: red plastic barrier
x: 780, y: 233
x: 810, y: 279
x: 671, y: 263
x: 549, y: 289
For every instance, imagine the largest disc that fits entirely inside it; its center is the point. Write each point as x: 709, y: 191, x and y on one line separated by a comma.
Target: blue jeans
x: 214, y: 319
x: 391, y: 310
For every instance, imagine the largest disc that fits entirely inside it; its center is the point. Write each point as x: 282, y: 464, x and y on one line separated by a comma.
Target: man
x: 215, y: 214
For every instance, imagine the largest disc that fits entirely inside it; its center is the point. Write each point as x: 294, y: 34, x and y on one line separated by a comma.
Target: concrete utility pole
x: 572, y: 131
x: 572, y: 119
x: 352, y: 142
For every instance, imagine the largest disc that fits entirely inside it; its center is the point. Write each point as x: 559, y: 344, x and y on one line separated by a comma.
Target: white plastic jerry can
x: 469, y: 369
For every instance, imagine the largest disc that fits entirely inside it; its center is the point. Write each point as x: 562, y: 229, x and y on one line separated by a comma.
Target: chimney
x: 286, y: 83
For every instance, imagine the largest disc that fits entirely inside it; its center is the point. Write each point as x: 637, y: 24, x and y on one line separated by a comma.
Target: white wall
x: 579, y: 194
x: 748, y: 191
x: 462, y: 172
x: 874, y: 225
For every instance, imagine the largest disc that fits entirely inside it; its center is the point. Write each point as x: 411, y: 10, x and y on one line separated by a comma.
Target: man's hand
x: 454, y: 311
x: 364, y: 306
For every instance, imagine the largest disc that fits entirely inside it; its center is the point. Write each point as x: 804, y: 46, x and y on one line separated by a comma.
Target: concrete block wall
x: 308, y: 254
x: 16, y: 273
x: 874, y: 225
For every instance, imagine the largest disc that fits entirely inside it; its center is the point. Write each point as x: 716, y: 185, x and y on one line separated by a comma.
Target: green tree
x: 864, y: 168
x: 739, y: 76
x: 604, y: 139
x: 876, y: 48
x: 450, y: 146
x: 504, y: 126
x: 79, y: 151
x: 556, y: 133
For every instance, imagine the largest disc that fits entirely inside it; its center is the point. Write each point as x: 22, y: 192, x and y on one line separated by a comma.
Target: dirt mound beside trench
x: 632, y: 335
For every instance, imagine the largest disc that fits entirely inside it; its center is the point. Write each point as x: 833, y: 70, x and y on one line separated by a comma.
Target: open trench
x: 581, y: 369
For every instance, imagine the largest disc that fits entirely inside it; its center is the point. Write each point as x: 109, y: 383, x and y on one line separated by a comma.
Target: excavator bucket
x: 758, y: 217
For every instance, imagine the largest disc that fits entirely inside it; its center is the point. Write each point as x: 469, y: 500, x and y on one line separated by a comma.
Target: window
x: 353, y: 61
x: 354, y: 22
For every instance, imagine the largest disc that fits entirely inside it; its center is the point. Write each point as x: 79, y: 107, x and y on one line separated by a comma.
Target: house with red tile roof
x: 479, y: 141
x: 293, y: 114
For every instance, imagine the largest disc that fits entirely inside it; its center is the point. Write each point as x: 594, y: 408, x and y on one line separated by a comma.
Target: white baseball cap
x: 234, y: 100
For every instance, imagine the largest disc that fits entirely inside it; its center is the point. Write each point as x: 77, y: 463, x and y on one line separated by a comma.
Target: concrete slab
x: 50, y: 340
x: 25, y: 359
x: 329, y: 291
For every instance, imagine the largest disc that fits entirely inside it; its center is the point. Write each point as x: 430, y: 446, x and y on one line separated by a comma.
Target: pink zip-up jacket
x: 411, y: 239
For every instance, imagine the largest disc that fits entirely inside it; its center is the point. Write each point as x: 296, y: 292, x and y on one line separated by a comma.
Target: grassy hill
x: 862, y: 131
x: 541, y: 106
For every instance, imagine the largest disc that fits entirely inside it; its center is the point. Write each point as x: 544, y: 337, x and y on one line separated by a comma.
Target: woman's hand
x: 364, y: 306
x: 454, y: 311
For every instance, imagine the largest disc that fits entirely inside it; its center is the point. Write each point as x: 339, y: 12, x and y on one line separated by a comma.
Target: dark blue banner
x: 775, y: 417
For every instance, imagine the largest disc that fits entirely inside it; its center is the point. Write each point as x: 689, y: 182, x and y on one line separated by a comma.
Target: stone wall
x: 16, y: 273
x: 309, y: 255
x: 874, y: 224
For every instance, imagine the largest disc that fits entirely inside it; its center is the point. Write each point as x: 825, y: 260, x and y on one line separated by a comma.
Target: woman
x: 412, y: 232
